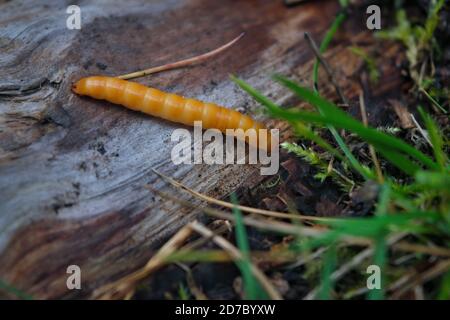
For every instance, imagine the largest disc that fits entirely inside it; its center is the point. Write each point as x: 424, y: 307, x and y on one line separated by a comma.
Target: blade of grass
x: 237, y: 255
x: 433, y: 101
x: 354, y: 262
x: 444, y: 292
x: 350, y: 157
x: 373, y: 154
x: 435, y: 138
x: 325, y: 43
x: 338, y: 118
x: 278, y: 112
x: 383, y: 201
x: 433, y: 180
x: 15, y: 291
x: 251, y: 288
x: 401, y: 162
x: 329, y: 265
x: 333, y: 115
x: 304, y: 131
x: 380, y: 252
x: 327, y: 68
x: 370, y: 62
x: 183, y: 294
x: 379, y: 259
x: 323, y: 47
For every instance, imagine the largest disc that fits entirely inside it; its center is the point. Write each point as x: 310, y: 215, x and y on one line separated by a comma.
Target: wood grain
x: 72, y: 169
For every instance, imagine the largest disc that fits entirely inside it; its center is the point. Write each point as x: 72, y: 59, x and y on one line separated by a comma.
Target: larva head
x: 79, y: 87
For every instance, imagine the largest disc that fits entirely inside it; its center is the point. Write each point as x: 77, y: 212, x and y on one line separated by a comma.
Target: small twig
x: 237, y: 255
x: 326, y: 66
x: 373, y: 154
x: 229, y: 205
x: 182, y: 63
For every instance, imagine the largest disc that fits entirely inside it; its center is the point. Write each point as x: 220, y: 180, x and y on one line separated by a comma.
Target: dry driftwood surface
x: 72, y: 169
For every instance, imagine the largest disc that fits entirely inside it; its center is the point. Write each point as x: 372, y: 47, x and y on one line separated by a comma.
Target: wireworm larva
x: 168, y: 106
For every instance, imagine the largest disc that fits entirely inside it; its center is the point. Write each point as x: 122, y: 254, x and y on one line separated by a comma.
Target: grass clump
x: 413, y: 203
x: 421, y: 49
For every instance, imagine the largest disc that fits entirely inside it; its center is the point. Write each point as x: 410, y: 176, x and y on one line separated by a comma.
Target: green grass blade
x: 329, y: 265
x: 304, y: 131
x: 185, y: 255
x: 380, y: 257
x: 433, y: 180
x: 351, y: 158
x: 383, y: 201
x: 333, y: 115
x: 401, y: 162
x: 435, y: 138
x: 15, y: 291
x: 251, y: 287
x: 183, y: 293
x: 374, y: 74
x: 325, y: 43
x: 444, y: 292
x: 433, y: 101
x: 433, y: 19
x: 278, y: 112
x: 338, y: 118
x: 323, y: 47
x: 380, y: 254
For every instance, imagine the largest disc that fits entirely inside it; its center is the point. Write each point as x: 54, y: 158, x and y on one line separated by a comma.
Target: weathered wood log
x: 72, y: 169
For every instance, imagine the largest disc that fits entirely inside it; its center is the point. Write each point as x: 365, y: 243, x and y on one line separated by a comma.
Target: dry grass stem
x: 182, y: 63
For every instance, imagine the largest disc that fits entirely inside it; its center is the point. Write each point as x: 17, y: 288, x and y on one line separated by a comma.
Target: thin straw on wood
x: 181, y: 63
x: 229, y: 205
x: 268, y: 225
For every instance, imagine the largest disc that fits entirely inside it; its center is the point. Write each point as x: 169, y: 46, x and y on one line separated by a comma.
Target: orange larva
x: 164, y: 105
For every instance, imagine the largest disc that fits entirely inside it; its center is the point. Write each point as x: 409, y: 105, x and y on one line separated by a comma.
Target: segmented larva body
x: 164, y: 105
